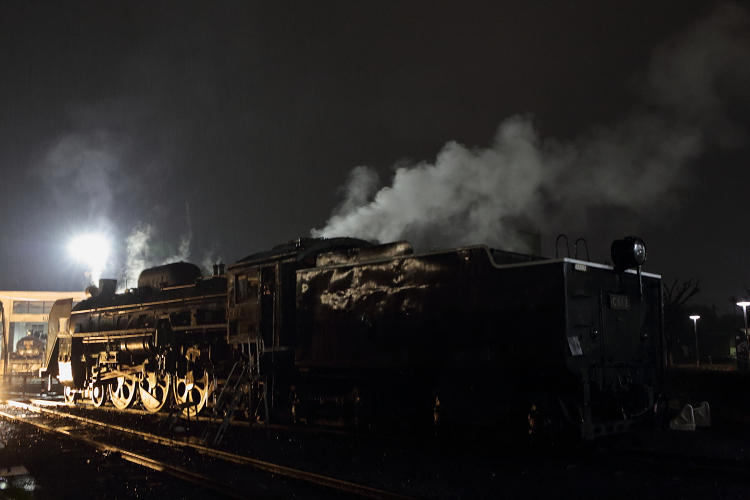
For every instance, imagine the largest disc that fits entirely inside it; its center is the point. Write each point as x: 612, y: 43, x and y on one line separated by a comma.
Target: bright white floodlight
x: 93, y: 251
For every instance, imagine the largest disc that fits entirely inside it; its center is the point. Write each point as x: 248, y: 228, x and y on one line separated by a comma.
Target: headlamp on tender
x: 628, y: 252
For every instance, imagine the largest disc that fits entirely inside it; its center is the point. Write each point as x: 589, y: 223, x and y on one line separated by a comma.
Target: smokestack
x: 107, y: 287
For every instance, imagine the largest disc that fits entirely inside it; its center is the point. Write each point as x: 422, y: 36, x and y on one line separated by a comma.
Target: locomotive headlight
x: 628, y: 252
x: 93, y: 251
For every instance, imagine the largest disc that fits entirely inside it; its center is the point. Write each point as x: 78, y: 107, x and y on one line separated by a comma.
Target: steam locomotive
x: 29, y: 354
x: 343, y: 332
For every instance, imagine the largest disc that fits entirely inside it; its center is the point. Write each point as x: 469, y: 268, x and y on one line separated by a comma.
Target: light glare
x: 93, y: 251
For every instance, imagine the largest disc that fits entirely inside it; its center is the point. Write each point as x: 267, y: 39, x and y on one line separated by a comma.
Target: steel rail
x: 136, y: 458
x: 298, y: 474
x: 685, y: 464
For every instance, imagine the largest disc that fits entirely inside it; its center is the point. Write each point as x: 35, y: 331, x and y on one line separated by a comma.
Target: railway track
x: 679, y: 464
x: 655, y: 465
x: 220, y: 471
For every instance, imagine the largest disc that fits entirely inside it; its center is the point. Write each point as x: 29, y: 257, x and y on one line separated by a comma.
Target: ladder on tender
x: 232, y: 394
x: 227, y: 402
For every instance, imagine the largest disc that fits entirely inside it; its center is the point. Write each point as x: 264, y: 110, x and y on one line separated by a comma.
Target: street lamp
x: 695, y: 328
x: 744, y: 305
x: 743, y: 345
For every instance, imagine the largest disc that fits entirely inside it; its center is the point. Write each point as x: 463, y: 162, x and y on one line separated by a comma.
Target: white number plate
x: 619, y: 302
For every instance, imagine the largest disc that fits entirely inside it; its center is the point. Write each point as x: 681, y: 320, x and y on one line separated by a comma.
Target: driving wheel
x: 99, y: 395
x: 154, y: 391
x: 192, y: 389
x: 122, y: 394
x: 69, y: 395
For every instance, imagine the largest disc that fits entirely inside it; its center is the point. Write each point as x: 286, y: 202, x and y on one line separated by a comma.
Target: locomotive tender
x: 339, y: 331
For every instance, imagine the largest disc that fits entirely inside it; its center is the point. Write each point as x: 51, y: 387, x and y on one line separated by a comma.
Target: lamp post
x: 742, y: 346
x: 695, y: 328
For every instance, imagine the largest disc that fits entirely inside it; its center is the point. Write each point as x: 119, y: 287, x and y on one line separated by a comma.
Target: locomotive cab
x: 262, y: 310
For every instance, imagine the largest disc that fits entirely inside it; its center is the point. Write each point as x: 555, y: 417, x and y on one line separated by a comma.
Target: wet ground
x: 37, y: 465
x: 708, y: 463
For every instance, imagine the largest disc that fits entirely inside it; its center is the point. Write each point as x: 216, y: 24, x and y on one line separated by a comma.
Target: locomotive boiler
x: 342, y: 332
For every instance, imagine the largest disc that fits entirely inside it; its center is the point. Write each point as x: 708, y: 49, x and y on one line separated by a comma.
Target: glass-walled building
x: 24, y: 316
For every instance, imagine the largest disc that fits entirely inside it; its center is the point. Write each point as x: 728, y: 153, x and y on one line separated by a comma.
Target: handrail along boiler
x: 339, y: 331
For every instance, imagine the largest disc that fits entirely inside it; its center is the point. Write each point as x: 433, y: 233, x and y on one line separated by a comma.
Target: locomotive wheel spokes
x: 193, y: 388
x: 69, y: 395
x: 99, y: 395
x: 155, y: 390
x: 122, y: 394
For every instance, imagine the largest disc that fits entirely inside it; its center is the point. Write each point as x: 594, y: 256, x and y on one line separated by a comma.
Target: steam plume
x: 82, y: 167
x: 472, y: 195
x: 81, y: 170
x: 143, y: 252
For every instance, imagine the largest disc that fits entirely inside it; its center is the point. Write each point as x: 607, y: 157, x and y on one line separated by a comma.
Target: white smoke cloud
x: 183, y: 251
x: 138, y: 257
x: 143, y: 252
x: 211, y: 257
x: 79, y: 168
x: 485, y: 195
x: 87, y: 176
x: 82, y: 172
x: 702, y: 74
x: 362, y: 184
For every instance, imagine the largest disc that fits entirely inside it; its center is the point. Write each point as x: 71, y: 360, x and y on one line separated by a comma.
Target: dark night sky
x: 213, y: 130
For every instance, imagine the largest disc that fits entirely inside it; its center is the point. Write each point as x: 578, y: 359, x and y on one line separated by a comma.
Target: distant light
x: 695, y: 317
x: 93, y: 251
x: 743, y: 304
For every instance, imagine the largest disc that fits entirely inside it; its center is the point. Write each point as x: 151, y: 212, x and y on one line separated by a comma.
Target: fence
x: 29, y: 385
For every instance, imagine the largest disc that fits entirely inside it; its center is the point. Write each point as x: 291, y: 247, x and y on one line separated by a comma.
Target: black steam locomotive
x: 29, y: 354
x: 342, y: 332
